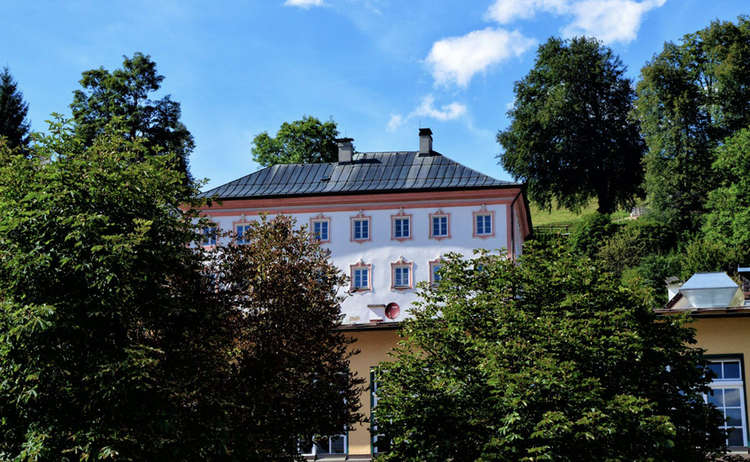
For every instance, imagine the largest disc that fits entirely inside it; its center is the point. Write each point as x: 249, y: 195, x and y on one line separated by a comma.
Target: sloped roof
x: 368, y: 172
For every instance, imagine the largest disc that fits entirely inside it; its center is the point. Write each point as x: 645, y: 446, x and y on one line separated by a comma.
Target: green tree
x: 291, y: 362
x: 691, y: 96
x: 570, y: 137
x: 303, y: 141
x: 13, y: 110
x: 121, y: 338
x: 122, y: 97
x: 727, y: 218
x: 548, y: 359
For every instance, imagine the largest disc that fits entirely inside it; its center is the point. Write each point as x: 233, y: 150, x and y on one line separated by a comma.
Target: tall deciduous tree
x: 549, y: 359
x: 122, y: 97
x: 122, y: 339
x: 13, y: 110
x: 691, y: 96
x: 570, y: 137
x: 303, y: 141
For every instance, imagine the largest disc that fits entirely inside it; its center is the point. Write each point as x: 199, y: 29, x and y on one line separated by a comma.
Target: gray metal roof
x: 368, y: 172
x: 709, y: 281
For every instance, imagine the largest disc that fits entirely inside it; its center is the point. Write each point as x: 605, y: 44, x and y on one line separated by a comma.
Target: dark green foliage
x: 13, y: 110
x: 590, y: 233
x: 121, y: 340
x: 303, y: 141
x: 633, y: 241
x: 291, y: 364
x: 548, y: 359
x: 122, y: 98
x: 570, y: 137
x: 691, y: 96
x: 727, y: 220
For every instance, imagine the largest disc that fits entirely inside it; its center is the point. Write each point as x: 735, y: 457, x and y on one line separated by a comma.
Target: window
x: 380, y: 443
x: 241, y: 231
x: 435, y: 266
x: 320, y: 228
x: 401, y: 226
x: 209, y: 236
x: 401, y: 274
x: 360, y: 228
x: 484, y: 223
x: 439, y: 225
x: 326, y: 445
x: 361, y: 277
x: 727, y: 394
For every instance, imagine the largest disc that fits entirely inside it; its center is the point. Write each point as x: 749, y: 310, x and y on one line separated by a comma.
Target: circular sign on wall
x: 392, y: 310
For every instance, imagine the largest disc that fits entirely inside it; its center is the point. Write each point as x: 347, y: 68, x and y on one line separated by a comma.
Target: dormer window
x: 360, y: 231
x: 484, y: 225
x: 320, y: 228
x: 402, y: 274
x: 439, y: 225
x: 401, y: 226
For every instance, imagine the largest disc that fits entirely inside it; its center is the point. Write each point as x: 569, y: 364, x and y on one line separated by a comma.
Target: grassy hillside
x: 560, y: 217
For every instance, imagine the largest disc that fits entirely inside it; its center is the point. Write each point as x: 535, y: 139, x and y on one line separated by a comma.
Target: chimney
x: 425, y: 141
x: 346, y: 150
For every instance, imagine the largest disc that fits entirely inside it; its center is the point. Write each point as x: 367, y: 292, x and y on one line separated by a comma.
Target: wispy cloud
x: 608, y: 20
x: 458, y: 59
x: 305, y: 4
x: 427, y: 108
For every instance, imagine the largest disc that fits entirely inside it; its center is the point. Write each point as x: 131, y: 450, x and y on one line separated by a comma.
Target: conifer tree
x: 13, y: 110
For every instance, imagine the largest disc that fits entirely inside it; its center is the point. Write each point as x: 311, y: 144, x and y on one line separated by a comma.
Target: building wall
x: 381, y: 250
x: 726, y: 336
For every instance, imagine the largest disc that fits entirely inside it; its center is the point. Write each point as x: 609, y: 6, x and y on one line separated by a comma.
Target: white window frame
x: 240, y: 239
x: 209, y: 236
x: 732, y: 383
x: 315, y: 452
x: 361, y: 219
x: 360, y: 265
x: 440, y: 215
x: 320, y: 219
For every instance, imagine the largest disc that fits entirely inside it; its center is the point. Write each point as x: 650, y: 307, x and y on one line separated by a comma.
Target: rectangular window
x: 361, y: 278
x: 320, y: 230
x: 728, y: 395
x: 325, y: 445
x: 401, y: 276
x: 440, y: 226
x: 379, y: 442
x: 361, y: 231
x: 401, y: 228
x: 483, y: 224
x: 436, y: 273
x: 241, y: 231
x: 209, y: 235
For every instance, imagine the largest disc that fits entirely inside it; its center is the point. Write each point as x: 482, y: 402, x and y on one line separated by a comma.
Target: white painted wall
x: 381, y: 251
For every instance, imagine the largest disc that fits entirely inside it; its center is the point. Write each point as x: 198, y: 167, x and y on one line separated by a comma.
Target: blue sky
x: 379, y: 68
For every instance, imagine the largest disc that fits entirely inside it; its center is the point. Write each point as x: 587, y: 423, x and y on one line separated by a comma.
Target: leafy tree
x: 292, y: 365
x: 303, y: 141
x: 691, y: 96
x: 727, y: 220
x: 549, y: 359
x: 13, y: 110
x: 121, y: 339
x: 122, y: 97
x: 570, y: 137
x: 590, y: 233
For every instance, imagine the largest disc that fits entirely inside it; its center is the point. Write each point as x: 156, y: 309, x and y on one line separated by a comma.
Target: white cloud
x: 303, y: 3
x: 505, y: 11
x: 426, y: 108
x: 458, y: 59
x: 608, y: 20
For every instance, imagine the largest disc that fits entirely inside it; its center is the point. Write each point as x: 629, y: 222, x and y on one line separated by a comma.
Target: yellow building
x: 722, y: 321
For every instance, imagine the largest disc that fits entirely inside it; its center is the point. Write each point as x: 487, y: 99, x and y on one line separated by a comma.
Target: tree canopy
x: 570, y: 137
x: 122, y: 97
x: 691, y: 96
x: 303, y: 141
x: 548, y: 359
x: 13, y: 110
x: 122, y: 338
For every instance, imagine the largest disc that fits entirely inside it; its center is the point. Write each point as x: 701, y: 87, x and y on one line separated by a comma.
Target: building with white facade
x: 387, y: 218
